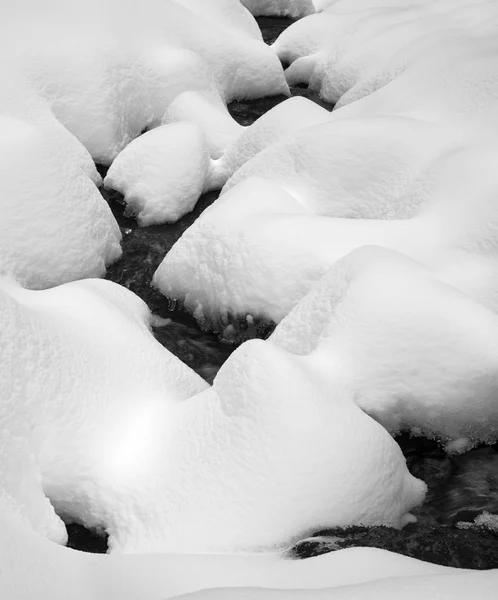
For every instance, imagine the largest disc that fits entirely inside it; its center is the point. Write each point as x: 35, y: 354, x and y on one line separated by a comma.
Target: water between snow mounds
x: 459, y: 488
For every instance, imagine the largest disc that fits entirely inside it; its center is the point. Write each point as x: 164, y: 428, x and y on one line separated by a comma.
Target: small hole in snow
x: 86, y: 540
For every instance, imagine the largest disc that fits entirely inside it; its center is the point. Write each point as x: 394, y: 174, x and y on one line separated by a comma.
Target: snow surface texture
x: 113, y: 447
x: 55, y: 225
x: 410, y: 167
x: 162, y: 173
x: 85, y: 386
x: 435, y: 366
x: 32, y: 567
x: 280, y: 8
x: 354, y: 48
x: 454, y: 233
x: 109, y: 78
x: 443, y: 587
x: 77, y: 89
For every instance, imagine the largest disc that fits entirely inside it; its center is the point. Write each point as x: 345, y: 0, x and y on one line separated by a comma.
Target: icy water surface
x: 459, y: 488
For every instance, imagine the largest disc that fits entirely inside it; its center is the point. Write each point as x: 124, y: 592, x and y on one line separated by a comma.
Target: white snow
x: 353, y: 48
x: 54, y: 224
x: 266, y: 247
x: 113, y: 72
x: 411, y: 351
x: 209, y: 112
x: 35, y: 568
x: 443, y: 587
x: 280, y: 8
x: 162, y: 173
x: 85, y: 388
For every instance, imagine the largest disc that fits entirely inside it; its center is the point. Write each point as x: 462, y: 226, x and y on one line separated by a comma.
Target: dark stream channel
x: 459, y: 488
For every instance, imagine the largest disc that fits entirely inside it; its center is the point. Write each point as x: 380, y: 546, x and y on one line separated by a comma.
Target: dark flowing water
x: 459, y: 488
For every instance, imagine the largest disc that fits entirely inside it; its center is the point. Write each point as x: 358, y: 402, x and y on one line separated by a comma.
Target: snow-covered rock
x: 411, y: 351
x: 357, y: 168
x: 162, y: 173
x: 121, y: 435
x: 209, y: 112
x: 57, y: 573
x: 259, y: 248
x: 458, y: 586
x: 85, y: 394
x: 54, y: 226
x: 112, y: 72
x: 283, y: 120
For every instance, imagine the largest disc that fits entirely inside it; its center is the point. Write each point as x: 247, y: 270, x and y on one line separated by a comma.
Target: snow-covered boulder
x: 357, y: 168
x: 85, y: 392
x: 457, y: 586
x: 259, y: 248
x: 54, y: 225
x: 258, y: 461
x: 411, y: 351
x: 361, y: 46
x: 210, y: 113
x: 162, y: 173
x: 121, y: 435
x: 283, y: 120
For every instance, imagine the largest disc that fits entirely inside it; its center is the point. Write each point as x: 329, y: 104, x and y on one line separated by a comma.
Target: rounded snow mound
x: 413, y: 352
x: 55, y: 226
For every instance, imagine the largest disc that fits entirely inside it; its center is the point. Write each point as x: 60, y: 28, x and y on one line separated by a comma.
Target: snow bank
x: 57, y: 573
x: 444, y: 587
x: 354, y: 48
x: 55, y: 226
x: 162, y: 173
x: 237, y: 473
x: 434, y: 370
x: 85, y: 389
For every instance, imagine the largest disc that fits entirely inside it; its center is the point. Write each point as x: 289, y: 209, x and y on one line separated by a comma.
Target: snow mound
x: 162, y: 173
x: 112, y: 73
x: 259, y: 248
x: 236, y: 475
x: 57, y: 573
x: 85, y: 385
x: 55, y: 226
x: 283, y: 120
x: 210, y: 113
x: 352, y: 49
x: 411, y: 351
x: 458, y: 586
